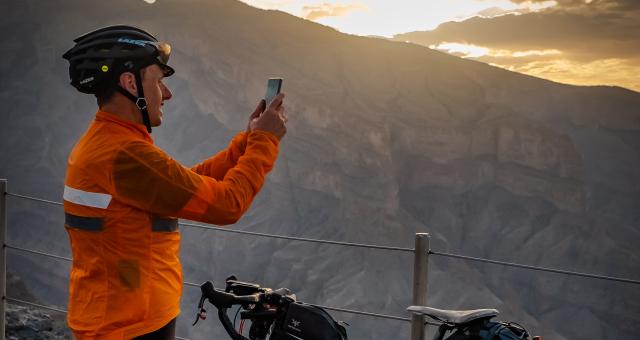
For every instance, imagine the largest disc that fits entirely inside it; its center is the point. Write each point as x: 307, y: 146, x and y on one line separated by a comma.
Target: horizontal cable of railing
x: 33, y: 198
x: 191, y: 284
x: 524, y: 266
x: 243, y: 232
x: 350, y: 244
x: 37, y: 252
x: 293, y: 238
x: 352, y: 311
x: 37, y: 305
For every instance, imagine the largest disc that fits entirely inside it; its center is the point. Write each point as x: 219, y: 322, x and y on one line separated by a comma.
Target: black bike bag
x: 304, y: 321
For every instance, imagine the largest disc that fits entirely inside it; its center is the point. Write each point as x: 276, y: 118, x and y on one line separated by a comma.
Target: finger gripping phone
x: 273, y: 88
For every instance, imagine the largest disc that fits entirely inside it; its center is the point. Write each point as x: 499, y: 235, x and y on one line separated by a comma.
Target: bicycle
x: 471, y: 324
x: 273, y: 313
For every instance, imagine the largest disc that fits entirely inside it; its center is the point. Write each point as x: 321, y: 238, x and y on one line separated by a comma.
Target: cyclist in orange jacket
x: 123, y: 195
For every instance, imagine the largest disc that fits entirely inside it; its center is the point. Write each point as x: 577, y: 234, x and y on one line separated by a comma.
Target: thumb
x: 259, y: 109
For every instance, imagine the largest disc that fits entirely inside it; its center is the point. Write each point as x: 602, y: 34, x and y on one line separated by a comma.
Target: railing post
x: 420, y: 275
x: 3, y: 254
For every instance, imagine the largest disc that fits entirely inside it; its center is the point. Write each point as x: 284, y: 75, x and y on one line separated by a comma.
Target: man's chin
x: 157, y: 121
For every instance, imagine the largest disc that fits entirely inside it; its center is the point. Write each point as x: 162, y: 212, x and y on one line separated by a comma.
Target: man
x: 122, y: 194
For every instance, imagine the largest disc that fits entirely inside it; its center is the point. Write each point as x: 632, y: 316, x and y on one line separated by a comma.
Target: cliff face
x: 385, y: 139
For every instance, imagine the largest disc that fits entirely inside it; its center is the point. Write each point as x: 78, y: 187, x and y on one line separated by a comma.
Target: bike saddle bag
x: 488, y: 330
x: 503, y: 331
x: 304, y: 321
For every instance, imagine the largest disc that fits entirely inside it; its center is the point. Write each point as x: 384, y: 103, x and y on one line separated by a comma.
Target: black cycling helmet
x: 99, y: 57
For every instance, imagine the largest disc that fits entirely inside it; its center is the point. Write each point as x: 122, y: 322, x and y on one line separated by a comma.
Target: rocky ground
x: 27, y: 322
x: 23, y: 322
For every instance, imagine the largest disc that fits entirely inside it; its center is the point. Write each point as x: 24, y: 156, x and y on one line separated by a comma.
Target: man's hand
x: 256, y: 113
x: 273, y: 119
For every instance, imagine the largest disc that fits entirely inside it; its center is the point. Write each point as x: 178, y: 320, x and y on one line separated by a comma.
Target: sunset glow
x: 497, y: 31
x: 613, y: 72
x: 601, y: 72
x: 386, y: 18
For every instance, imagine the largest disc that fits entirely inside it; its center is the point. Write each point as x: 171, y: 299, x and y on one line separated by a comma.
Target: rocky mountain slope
x: 385, y: 139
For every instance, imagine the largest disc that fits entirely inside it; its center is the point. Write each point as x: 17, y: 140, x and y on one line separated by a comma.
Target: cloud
x: 535, y: 6
x: 521, y: 7
x: 587, y: 5
x: 586, y: 37
x: 602, y: 34
x: 314, y: 12
x: 495, y: 12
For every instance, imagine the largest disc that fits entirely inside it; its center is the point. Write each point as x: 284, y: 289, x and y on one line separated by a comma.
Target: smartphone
x: 273, y: 88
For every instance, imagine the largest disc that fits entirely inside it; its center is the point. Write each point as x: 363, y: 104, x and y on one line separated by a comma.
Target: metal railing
x: 421, y: 252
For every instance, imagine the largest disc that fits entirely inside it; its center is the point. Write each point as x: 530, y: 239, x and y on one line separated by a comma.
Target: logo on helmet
x: 142, y: 43
x: 86, y: 80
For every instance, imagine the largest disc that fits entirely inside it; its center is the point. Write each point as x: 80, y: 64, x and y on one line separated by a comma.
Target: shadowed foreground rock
x: 26, y: 322
x: 32, y: 323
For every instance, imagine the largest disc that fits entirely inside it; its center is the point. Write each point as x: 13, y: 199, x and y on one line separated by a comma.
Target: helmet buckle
x: 141, y: 103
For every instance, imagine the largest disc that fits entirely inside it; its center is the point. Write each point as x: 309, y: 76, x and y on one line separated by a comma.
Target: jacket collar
x: 138, y: 129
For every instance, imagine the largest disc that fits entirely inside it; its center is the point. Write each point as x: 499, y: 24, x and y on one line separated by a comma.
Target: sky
x: 581, y: 42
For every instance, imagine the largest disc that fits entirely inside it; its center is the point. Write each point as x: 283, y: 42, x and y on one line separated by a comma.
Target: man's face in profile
x: 155, y: 92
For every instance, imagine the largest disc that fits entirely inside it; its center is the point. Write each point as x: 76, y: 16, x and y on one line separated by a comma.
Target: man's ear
x: 128, y: 82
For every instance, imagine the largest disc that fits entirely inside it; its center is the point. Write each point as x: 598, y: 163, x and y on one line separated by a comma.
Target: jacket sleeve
x: 147, y: 178
x: 218, y: 165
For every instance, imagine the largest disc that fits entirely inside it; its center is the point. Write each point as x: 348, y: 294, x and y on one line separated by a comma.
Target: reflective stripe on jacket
x: 122, y: 196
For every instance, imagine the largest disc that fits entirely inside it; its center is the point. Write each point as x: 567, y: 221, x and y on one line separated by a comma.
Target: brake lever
x: 202, y: 313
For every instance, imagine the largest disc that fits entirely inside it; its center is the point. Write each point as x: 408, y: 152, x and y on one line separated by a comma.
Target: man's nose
x: 166, y: 93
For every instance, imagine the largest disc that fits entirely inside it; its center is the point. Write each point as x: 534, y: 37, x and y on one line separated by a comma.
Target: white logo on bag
x: 295, y: 324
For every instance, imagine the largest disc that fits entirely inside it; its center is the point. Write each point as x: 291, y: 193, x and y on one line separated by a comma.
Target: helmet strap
x: 140, y: 101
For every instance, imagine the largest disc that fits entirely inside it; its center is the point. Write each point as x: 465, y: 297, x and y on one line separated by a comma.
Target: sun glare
x: 463, y: 50
x: 536, y: 53
x: 475, y: 51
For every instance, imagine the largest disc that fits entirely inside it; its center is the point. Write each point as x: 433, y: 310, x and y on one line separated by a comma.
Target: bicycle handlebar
x: 251, y: 297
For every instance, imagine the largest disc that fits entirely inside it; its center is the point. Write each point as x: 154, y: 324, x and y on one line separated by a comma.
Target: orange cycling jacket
x: 122, y: 196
